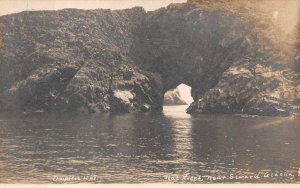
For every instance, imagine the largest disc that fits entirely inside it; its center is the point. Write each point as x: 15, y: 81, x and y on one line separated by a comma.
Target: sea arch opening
x: 177, y: 98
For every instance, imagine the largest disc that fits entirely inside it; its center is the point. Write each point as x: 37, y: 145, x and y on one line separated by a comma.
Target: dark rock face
x: 173, y: 97
x: 74, y: 60
x: 224, y: 61
x: 265, y: 79
x: 122, y: 61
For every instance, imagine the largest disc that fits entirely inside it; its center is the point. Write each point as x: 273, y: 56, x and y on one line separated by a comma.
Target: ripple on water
x: 145, y: 147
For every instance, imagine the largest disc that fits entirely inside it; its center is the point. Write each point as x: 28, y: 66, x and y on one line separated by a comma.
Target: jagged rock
x: 146, y: 108
x: 122, y: 101
x: 73, y: 60
x: 268, y: 107
x: 125, y: 60
x: 173, y: 97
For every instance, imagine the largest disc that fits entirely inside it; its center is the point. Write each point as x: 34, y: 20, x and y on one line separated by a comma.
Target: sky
x: 7, y: 7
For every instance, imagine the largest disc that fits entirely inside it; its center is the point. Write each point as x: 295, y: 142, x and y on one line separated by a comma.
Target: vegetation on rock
x: 125, y: 60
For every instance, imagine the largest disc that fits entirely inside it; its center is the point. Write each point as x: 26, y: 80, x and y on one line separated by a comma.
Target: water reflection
x: 234, y: 144
x: 180, y: 124
x: 144, y: 147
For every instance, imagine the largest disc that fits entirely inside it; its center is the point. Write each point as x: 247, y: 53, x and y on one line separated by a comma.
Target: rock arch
x: 125, y: 60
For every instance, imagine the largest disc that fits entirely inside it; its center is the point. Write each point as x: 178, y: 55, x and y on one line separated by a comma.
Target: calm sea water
x: 170, y: 146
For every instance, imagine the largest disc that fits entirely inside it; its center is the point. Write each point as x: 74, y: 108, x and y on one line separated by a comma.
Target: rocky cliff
x: 265, y: 80
x: 74, y: 60
x: 173, y: 97
x: 125, y: 60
